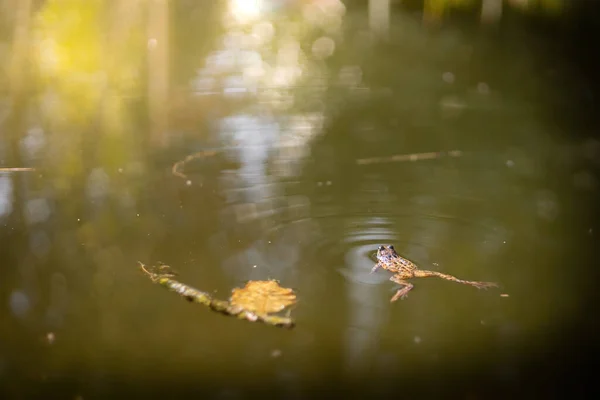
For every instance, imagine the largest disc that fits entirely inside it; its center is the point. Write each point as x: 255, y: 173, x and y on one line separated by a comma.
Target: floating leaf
x: 263, y: 297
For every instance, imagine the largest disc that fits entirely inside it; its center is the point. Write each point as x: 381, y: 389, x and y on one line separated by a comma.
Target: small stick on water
x: 17, y: 169
x: 164, y: 278
x: 410, y: 157
x: 177, y: 167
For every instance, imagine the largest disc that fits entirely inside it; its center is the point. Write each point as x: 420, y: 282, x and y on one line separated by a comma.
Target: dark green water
x: 290, y: 196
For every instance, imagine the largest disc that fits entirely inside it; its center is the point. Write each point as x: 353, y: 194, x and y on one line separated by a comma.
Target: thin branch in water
x: 177, y: 167
x: 194, y: 295
x: 17, y: 169
x: 410, y: 157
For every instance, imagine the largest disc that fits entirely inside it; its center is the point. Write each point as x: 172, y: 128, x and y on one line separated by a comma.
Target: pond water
x: 455, y: 146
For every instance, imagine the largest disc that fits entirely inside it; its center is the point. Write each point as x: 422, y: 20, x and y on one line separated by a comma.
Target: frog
x: 404, y: 269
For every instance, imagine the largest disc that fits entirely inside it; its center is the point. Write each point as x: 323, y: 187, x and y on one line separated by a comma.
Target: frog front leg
x: 376, y: 267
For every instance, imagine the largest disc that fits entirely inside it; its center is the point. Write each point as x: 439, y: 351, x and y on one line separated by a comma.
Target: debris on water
x: 411, y: 157
x: 483, y: 88
x: 50, y: 337
x: 417, y: 339
x: 276, y: 353
x: 263, y: 297
x: 19, y: 303
x: 448, y: 77
x: 504, y: 295
x: 257, y: 301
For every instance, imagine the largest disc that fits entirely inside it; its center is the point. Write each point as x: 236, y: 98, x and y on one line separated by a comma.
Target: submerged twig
x: 164, y: 278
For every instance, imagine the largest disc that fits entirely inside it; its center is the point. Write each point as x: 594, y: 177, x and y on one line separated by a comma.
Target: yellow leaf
x: 263, y: 297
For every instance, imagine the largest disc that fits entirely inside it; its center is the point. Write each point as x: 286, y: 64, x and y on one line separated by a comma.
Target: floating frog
x: 404, y: 269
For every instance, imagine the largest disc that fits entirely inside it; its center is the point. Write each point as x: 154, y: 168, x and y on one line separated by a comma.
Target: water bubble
x: 483, y: 88
x: 50, y: 337
x: 448, y: 77
x: 98, y: 184
x: 19, y: 303
x: 39, y: 243
x: 547, y: 205
x: 34, y: 141
x: 323, y: 47
x: 276, y: 353
x: 37, y: 210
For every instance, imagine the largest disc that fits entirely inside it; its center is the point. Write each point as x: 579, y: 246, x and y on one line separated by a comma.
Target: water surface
x: 438, y: 142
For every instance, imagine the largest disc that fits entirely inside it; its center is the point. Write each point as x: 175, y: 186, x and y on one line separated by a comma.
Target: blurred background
x: 463, y: 132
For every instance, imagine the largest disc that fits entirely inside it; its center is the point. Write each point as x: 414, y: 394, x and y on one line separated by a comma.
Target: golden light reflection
x: 245, y: 11
x: 76, y: 61
x: 89, y: 57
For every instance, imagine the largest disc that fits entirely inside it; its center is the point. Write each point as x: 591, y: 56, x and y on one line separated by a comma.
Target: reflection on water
x: 326, y: 145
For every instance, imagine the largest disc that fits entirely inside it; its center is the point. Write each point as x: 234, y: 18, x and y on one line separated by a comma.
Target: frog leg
x: 403, y: 292
x: 478, y: 285
x: 376, y: 267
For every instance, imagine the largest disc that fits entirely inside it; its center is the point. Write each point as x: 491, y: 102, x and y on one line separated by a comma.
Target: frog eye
x: 391, y: 247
